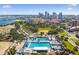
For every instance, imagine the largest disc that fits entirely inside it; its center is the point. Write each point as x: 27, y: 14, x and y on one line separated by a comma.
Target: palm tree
x: 11, y: 51
x: 75, y: 48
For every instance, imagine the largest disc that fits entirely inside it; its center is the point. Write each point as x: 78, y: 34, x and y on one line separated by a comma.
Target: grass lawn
x: 43, y: 29
x: 73, y: 39
x: 70, y: 47
x: 64, y: 34
x: 4, y: 46
x: 68, y: 44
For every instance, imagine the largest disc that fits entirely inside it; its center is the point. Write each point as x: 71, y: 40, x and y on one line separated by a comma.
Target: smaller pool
x: 33, y: 45
x: 38, y: 43
x: 39, y: 39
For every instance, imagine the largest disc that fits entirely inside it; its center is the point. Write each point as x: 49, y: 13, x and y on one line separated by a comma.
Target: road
x: 71, y: 35
x: 20, y: 49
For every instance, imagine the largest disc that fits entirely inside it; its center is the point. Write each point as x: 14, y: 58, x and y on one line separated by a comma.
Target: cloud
x: 7, y: 6
x: 73, y: 5
x: 70, y: 8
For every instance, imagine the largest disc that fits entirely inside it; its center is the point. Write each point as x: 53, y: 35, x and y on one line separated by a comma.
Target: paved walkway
x: 23, y: 30
x: 72, y: 42
x: 20, y: 49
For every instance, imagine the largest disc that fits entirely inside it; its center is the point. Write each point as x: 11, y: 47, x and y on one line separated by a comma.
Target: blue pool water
x: 42, y: 44
x: 39, y: 39
x: 5, y: 21
x: 39, y: 42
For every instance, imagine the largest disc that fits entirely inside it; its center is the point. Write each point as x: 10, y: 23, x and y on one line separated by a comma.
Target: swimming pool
x: 40, y: 39
x: 40, y: 42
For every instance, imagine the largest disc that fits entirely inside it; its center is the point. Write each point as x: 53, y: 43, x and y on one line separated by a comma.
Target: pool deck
x: 38, y: 47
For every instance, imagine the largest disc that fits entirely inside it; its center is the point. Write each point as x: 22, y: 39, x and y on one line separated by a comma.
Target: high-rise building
x: 60, y: 16
x: 40, y: 15
x: 54, y: 15
x: 46, y: 14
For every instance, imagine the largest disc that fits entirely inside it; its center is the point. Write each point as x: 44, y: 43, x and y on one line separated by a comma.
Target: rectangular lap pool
x: 39, y: 39
x: 39, y: 43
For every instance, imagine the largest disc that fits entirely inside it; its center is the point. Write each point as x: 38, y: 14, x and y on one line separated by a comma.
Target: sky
x: 32, y: 9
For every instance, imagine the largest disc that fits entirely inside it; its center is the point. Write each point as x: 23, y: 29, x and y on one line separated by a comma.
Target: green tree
x: 75, y: 48
x: 17, y: 25
x: 42, y: 33
x: 21, y: 37
x: 14, y: 34
x: 12, y: 51
x: 1, y: 36
x: 66, y: 38
x: 77, y: 42
x: 52, y: 32
x: 63, y: 26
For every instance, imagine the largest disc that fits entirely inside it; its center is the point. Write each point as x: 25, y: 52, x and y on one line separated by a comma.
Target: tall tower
x: 60, y: 16
x: 46, y: 14
x: 54, y: 15
x: 40, y: 15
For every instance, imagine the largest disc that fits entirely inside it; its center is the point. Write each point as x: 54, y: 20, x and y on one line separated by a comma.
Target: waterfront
x: 5, y: 21
x: 47, y: 33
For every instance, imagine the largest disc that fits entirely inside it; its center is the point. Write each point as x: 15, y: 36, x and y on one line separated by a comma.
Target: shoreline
x: 18, y: 20
x: 12, y: 21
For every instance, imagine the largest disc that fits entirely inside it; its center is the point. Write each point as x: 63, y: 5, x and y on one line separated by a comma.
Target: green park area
x: 73, y: 39
x: 64, y: 33
x: 44, y: 29
x: 67, y: 44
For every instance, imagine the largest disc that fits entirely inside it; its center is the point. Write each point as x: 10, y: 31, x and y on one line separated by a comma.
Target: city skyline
x: 34, y: 9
